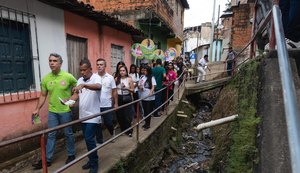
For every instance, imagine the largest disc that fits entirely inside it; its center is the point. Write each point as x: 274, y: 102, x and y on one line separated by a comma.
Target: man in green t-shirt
x: 159, y: 74
x: 57, y: 85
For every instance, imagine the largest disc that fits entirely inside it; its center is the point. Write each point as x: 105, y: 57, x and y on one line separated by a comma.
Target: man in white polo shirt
x: 88, y: 90
x: 108, y: 98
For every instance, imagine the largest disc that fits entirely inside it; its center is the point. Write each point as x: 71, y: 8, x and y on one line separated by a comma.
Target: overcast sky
x: 201, y: 11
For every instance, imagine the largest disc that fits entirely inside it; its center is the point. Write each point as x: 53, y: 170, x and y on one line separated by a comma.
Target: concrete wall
x: 83, y: 27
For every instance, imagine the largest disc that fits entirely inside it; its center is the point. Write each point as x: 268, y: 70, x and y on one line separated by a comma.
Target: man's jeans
x: 89, y: 131
x: 55, y: 119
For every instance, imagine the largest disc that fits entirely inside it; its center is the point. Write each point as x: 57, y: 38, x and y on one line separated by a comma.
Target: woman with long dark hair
x: 125, y: 89
x: 119, y: 64
x: 146, y: 86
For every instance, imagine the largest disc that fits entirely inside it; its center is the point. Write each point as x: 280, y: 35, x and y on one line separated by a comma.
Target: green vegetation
x: 236, y: 142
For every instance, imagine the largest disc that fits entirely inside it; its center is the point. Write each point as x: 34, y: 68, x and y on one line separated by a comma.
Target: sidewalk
x: 111, y: 153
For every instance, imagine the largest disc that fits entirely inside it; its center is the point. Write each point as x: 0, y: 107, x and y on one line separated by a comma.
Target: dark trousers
x: 148, y: 106
x: 229, y: 68
x: 158, y: 101
x: 108, y: 122
x: 291, y: 18
x: 124, y: 116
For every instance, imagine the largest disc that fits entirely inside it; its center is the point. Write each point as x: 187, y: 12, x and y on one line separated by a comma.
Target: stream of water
x: 193, y: 154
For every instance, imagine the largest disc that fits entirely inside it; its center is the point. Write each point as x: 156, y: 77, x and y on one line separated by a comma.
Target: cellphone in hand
x: 36, y: 119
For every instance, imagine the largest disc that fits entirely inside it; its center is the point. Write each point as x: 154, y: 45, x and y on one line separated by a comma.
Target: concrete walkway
x: 111, y: 153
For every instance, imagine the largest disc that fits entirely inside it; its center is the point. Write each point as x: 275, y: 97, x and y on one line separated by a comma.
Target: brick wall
x: 241, y: 27
x: 130, y: 11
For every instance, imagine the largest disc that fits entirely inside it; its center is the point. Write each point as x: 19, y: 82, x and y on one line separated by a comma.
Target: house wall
x: 15, y: 119
x: 85, y: 28
x: 109, y: 36
x: 241, y: 27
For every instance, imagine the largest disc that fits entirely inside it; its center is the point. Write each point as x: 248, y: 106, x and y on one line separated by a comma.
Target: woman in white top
x: 146, y: 86
x: 135, y: 79
x: 125, y: 89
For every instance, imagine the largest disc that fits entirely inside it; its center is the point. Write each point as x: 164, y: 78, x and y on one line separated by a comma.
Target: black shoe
x: 70, y: 159
x: 93, y: 170
x: 156, y: 116
x: 86, y: 166
x: 39, y: 165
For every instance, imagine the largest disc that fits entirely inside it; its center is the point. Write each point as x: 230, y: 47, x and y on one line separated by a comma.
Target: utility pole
x: 217, y: 36
x: 212, y: 32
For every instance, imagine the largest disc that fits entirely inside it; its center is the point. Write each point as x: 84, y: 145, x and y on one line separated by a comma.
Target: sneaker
x: 156, y: 116
x: 146, y: 128
x: 130, y: 134
x: 70, y: 159
x: 93, y: 170
x: 39, y: 164
x: 289, y: 44
x: 86, y: 166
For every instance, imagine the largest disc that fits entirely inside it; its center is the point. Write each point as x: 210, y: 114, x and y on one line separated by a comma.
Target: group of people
x: 99, y: 92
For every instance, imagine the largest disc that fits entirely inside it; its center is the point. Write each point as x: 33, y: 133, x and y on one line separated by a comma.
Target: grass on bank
x: 236, y: 142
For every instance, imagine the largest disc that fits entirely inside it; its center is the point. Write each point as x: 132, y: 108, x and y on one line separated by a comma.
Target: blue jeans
x: 89, y: 131
x: 291, y: 18
x: 108, y: 122
x: 55, y: 119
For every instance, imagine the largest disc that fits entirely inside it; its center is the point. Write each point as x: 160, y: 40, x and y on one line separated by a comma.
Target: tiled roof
x: 87, y: 10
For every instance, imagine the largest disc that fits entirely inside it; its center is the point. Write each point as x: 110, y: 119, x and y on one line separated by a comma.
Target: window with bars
x: 117, y: 54
x: 16, y: 56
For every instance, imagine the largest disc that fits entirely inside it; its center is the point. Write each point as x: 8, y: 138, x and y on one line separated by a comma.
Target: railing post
x: 138, y: 120
x: 272, y: 36
x: 167, y: 99
x: 252, y: 47
x: 43, y: 150
x: 178, y: 89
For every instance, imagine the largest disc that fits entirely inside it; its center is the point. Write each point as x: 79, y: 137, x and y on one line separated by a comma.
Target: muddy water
x: 192, y: 154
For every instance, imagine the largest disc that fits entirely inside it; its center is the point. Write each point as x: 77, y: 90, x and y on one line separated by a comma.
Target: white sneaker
x: 289, y: 44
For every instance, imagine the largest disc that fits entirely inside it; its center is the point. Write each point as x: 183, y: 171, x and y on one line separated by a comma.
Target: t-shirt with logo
x: 58, y: 86
x: 146, y: 88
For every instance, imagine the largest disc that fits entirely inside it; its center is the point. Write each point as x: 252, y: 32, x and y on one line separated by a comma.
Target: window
x: 16, y: 56
x: 76, y: 50
x: 117, y: 54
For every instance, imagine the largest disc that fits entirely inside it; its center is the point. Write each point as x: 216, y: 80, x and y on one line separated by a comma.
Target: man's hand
x: 36, y: 112
x: 78, y: 88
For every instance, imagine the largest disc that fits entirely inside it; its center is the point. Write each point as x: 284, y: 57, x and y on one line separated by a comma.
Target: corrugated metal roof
x: 87, y: 10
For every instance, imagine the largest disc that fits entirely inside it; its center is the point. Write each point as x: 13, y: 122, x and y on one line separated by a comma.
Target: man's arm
x: 40, y: 103
x: 115, y: 97
x: 95, y: 86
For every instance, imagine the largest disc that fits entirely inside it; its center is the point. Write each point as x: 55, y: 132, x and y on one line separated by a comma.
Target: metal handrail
x: 43, y: 132
x: 289, y: 92
x: 133, y: 126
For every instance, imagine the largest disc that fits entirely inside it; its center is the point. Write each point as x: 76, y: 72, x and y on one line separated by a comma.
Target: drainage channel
x: 192, y: 154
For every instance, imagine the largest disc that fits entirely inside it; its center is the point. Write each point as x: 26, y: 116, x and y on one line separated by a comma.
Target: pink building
x: 71, y: 29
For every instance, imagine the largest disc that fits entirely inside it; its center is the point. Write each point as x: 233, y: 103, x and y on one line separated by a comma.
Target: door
x: 77, y: 50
